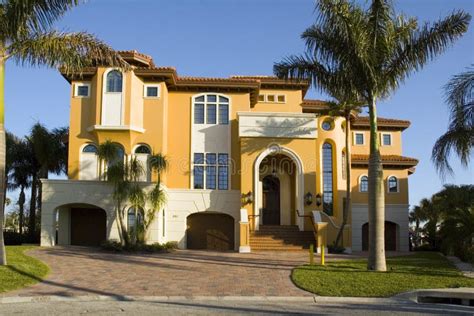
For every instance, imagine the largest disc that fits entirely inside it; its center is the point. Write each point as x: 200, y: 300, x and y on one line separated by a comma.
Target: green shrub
x: 335, y: 249
x: 116, y: 246
x: 425, y: 247
x: 112, y: 245
x: 12, y: 238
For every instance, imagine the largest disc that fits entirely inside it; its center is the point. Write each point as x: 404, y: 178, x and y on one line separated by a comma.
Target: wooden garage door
x: 88, y: 226
x: 210, y: 231
x: 390, y: 236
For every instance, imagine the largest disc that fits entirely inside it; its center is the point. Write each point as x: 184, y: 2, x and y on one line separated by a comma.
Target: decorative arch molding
x: 273, y: 150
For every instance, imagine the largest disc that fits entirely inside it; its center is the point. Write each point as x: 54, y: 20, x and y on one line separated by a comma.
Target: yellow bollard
x: 322, y: 254
x: 311, y: 254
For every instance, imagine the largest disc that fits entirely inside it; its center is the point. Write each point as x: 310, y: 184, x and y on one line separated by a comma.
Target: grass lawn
x: 350, y: 278
x: 22, y: 270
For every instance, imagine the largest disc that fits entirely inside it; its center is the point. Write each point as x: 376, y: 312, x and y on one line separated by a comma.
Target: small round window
x: 326, y: 125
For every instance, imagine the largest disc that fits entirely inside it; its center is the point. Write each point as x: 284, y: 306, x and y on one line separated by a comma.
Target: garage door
x: 210, y: 231
x: 390, y: 236
x: 88, y: 226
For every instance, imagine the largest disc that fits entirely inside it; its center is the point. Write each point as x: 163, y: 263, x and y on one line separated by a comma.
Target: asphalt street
x: 213, y: 307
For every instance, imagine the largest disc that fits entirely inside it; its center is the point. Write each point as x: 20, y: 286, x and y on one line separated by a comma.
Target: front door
x: 271, y: 201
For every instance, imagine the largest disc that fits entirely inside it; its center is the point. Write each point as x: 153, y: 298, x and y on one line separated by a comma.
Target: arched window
x: 89, y: 163
x: 134, y: 219
x: 143, y: 149
x: 328, y: 194
x: 211, y: 109
x: 364, y: 184
x: 114, y: 81
x: 119, y: 155
x: 392, y: 184
x: 92, y: 149
x: 142, y: 154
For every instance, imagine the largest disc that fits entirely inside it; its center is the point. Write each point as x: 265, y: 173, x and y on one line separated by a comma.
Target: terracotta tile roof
x: 314, y: 104
x: 358, y: 159
x: 133, y: 53
x: 214, y: 79
x: 363, y: 121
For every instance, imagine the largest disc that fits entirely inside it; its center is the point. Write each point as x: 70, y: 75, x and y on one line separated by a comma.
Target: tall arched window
x: 112, y: 98
x: 88, y: 165
x: 328, y: 194
x: 392, y: 184
x: 142, y: 153
x: 114, y: 81
x: 364, y: 184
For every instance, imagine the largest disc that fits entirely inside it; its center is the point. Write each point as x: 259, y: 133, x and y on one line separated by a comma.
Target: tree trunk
x: 347, y: 207
x: 44, y: 175
x: 3, y: 254
x: 21, y: 206
x: 32, y: 217
x: 376, y: 198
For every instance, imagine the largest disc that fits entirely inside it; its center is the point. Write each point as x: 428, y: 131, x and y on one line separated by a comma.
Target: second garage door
x: 88, y: 226
x: 210, y: 231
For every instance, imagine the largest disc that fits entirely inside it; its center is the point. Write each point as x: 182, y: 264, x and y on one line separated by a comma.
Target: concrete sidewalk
x: 465, y: 267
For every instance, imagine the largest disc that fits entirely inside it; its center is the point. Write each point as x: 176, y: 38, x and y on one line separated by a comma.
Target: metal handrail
x: 313, y: 224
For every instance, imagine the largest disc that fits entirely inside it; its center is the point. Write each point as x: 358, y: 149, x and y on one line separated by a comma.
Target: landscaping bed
x: 351, y: 278
x: 22, y: 270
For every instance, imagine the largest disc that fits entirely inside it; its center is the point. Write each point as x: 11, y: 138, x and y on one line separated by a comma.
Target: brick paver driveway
x: 86, y: 271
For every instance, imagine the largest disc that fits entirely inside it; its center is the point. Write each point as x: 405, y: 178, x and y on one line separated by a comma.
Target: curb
x: 302, y: 299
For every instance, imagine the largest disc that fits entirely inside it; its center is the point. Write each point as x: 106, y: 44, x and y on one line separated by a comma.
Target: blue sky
x: 220, y: 38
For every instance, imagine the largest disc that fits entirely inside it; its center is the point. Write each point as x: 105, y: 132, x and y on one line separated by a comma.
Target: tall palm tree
x: 20, y: 177
x: 371, y: 51
x: 26, y: 37
x: 460, y: 135
x: 50, y: 153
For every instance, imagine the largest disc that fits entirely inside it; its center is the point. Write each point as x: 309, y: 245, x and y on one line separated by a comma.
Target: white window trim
x: 76, y: 90
x: 381, y: 139
x: 354, y: 138
x: 281, y: 95
x: 359, y: 181
x: 398, y: 184
x: 265, y: 98
x: 204, y: 165
x: 151, y: 85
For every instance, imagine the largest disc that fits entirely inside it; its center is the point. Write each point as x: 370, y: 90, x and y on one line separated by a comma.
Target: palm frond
x: 158, y: 163
x: 423, y: 45
x: 69, y: 51
x: 25, y: 16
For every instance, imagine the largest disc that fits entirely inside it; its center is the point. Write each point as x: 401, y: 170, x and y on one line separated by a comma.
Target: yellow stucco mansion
x: 252, y: 163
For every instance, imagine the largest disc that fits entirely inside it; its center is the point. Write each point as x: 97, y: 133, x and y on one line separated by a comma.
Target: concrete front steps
x: 280, y: 238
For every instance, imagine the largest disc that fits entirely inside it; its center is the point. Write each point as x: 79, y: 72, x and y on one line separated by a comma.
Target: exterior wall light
x: 308, y: 198
x: 318, y: 199
x: 246, y: 198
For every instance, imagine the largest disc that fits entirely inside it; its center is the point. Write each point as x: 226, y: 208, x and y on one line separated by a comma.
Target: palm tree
x: 50, y: 153
x: 370, y: 51
x: 460, y: 135
x: 26, y: 37
x: 20, y: 177
x: 417, y: 216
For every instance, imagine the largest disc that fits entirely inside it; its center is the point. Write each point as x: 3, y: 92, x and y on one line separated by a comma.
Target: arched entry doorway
x: 211, y: 231
x: 390, y: 236
x: 271, y: 200
x: 288, y: 167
